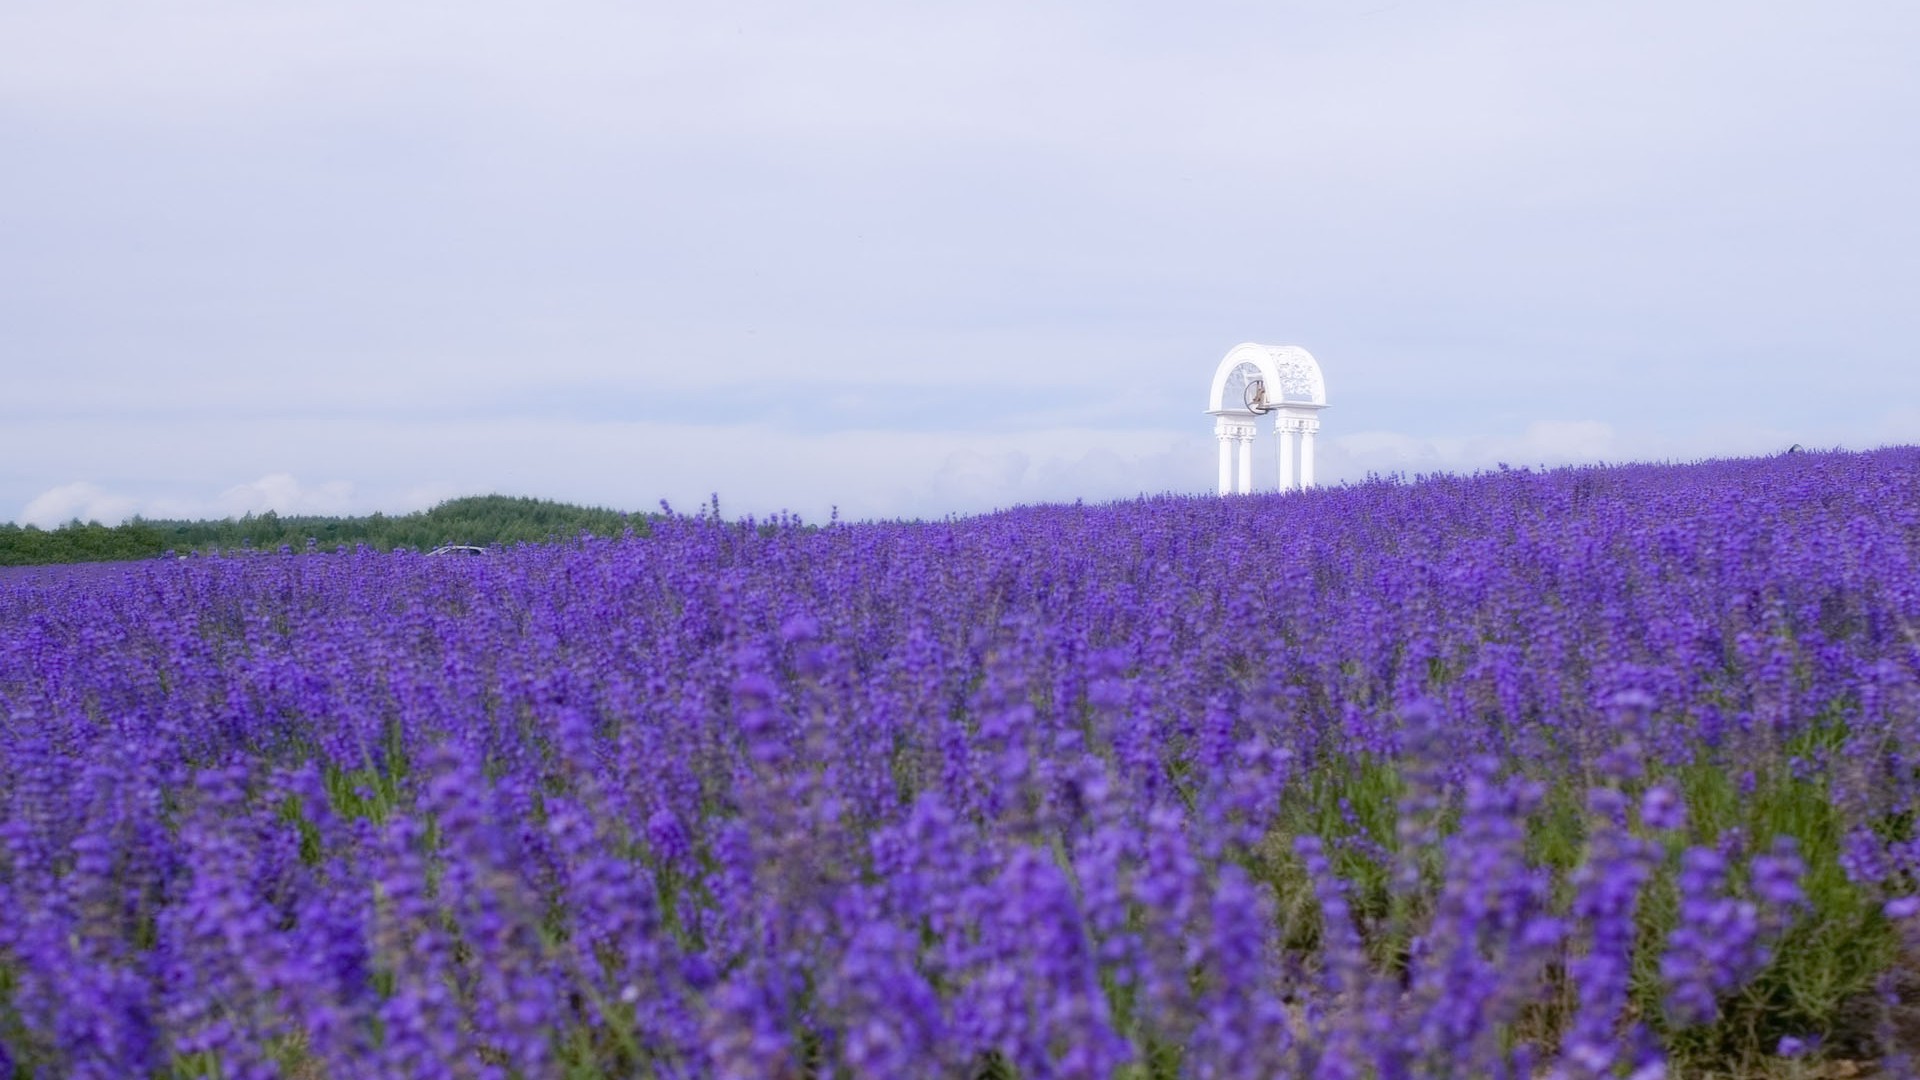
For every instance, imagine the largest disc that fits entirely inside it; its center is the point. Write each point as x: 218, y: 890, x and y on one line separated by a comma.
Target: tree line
x: 477, y: 520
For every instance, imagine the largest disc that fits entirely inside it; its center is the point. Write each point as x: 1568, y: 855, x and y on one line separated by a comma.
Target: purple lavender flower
x: 1661, y: 808
x: 1608, y: 885
x: 1791, y: 1046
x: 1709, y: 951
x: 1863, y: 857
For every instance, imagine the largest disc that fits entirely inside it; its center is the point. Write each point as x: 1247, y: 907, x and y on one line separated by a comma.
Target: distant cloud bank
x: 279, y: 492
x: 759, y: 470
x: 81, y: 500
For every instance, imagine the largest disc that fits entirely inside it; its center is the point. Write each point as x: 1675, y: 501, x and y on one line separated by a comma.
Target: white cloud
x: 283, y: 494
x: 279, y: 492
x: 81, y: 500
x: 759, y: 469
x: 1545, y: 442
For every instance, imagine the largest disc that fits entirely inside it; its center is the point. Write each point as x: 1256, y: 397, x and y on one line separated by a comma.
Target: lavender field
x: 1591, y: 772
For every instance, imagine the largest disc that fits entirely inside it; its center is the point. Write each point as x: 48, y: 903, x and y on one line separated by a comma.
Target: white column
x: 1306, y: 459
x: 1246, y: 464
x: 1284, y: 432
x: 1226, y: 464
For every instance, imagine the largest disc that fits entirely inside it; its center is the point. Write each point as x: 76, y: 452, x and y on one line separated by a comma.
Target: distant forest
x: 478, y: 520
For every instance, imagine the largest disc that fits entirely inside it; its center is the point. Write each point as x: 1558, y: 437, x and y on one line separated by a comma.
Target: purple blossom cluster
x: 1064, y: 791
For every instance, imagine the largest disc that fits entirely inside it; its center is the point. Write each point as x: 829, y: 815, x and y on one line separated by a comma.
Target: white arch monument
x: 1253, y: 380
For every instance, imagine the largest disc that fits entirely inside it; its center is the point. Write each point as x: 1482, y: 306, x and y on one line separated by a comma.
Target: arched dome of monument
x: 1255, y: 380
x: 1290, y: 373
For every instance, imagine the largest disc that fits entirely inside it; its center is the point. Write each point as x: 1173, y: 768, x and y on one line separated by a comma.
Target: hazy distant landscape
x: 479, y: 521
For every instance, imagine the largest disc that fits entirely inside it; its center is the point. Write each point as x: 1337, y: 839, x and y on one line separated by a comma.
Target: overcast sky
x: 911, y: 259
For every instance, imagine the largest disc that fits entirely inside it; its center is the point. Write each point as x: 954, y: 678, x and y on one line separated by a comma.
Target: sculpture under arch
x: 1252, y: 380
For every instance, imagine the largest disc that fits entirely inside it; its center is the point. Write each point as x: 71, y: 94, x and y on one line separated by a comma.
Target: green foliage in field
x: 477, y: 520
x: 1821, y: 978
